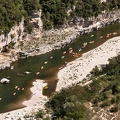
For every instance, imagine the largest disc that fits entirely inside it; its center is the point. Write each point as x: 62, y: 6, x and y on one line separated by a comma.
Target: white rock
x: 4, y: 80
x: 26, y: 72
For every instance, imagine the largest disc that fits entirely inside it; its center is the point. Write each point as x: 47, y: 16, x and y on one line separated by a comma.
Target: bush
x: 40, y: 114
x: 114, y: 109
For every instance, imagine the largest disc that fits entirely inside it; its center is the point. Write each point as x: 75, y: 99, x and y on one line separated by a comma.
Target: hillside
x: 12, y: 12
x: 55, y: 13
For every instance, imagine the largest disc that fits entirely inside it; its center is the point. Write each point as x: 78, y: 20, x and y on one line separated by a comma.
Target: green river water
x: 49, y: 73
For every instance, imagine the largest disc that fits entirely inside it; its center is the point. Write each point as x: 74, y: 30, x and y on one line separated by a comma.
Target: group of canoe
x: 109, y: 34
x: 18, y: 88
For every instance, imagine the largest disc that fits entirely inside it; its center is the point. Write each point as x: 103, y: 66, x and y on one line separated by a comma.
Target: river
x: 13, y: 94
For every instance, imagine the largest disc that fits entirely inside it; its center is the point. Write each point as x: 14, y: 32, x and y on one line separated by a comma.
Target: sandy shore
x: 37, y: 99
x: 77, y: 70
x: 35, y: 103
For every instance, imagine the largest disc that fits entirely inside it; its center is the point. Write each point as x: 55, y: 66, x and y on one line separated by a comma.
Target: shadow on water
x: 47, y: 67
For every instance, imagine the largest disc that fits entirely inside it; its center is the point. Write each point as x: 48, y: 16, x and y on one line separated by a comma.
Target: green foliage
x: 39, y: 114
x: 11, y: 12
x: 31, y: 5
x: 66, y: 105
x: 54, y: 12
x: 95, y: 71
x: 28, y: 26
x: 11, y: 44
x: 104, y: 91
x: 88, y: 8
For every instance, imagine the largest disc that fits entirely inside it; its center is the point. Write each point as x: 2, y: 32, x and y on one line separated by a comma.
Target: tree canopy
x: 55, y: 13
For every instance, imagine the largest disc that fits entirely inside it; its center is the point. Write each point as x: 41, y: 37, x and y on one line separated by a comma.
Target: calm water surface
x: 48, y: 73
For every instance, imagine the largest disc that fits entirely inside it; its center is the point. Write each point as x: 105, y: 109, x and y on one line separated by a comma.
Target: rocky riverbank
x: 76, y: 71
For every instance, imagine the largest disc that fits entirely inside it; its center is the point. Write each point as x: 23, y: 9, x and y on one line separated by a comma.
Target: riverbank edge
x: 77, y: 70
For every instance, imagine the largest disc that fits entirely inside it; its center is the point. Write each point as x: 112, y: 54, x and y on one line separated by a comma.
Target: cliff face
x: 98, y: 22
x: 56, y: 38
x: 17, y: 32
x: 14, y: 35
x: 43, y: 41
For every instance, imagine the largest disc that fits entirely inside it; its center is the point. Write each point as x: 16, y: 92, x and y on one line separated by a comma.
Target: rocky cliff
x: 43, y: 41
x: 40, y: 41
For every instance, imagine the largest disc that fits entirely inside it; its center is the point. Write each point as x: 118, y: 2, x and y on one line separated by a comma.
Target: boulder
x: 4, y: 80
x: 27, y: 72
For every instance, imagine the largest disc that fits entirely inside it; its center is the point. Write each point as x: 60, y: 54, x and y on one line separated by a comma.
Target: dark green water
x: 48, y: 73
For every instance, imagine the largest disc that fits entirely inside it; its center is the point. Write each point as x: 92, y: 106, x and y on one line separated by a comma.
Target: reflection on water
x: 46, y: 67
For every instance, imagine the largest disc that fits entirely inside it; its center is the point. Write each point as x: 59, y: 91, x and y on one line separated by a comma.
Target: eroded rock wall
x: 43, y: 41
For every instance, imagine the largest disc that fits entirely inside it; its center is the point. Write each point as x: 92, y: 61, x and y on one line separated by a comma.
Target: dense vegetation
x: 103, y: 92
x: 55, y: 13
x: 11, y: 12
x: 58, y: 12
